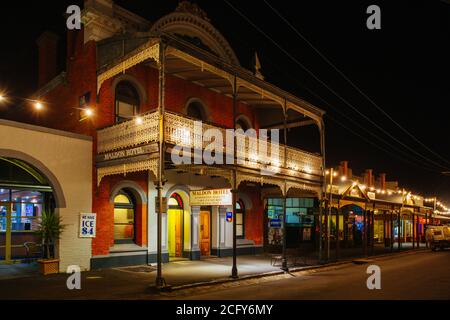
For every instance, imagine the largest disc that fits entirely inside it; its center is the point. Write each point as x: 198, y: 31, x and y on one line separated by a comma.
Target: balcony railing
x: 186, y: 132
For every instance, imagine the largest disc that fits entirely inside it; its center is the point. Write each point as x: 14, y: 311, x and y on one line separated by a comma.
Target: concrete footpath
x: 137, y: 282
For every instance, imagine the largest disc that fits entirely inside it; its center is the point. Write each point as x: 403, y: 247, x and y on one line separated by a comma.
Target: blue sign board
x: 275, y: 223
x: 229, y: 217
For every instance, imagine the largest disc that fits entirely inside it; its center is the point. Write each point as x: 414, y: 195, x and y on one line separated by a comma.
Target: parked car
x: 438, y: 237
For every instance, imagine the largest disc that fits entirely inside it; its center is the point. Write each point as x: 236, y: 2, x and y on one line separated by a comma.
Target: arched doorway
x: 175, y: 225
x: 24, y: 194
x: 353, y: 218
x: 124, y: 218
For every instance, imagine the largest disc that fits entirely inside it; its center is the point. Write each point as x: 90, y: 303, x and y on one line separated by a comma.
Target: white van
x: 438, y: 237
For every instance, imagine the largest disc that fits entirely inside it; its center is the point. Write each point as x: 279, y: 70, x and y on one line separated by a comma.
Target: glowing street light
x: 139, y: 120
x: 38, y: 105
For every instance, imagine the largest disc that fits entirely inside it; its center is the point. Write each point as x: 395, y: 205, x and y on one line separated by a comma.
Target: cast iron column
x: 284, y: 259
x: 234, y: 270
x: 159, y: 281
x: 391, y: 230
x: 324, y: 186
x: 399, y: 227
x: 337, y: 229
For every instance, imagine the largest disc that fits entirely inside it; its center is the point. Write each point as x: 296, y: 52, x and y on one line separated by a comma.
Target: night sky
x: 403, y: 68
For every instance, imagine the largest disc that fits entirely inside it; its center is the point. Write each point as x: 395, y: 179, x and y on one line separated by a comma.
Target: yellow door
x: 175, y: 234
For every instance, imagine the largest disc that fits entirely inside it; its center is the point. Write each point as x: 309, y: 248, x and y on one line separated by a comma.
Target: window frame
x: 136, y: 106
x: 240, y: 211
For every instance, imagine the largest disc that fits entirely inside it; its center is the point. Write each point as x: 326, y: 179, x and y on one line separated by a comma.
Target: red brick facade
x: 104, y: 208
x: 63, y: 113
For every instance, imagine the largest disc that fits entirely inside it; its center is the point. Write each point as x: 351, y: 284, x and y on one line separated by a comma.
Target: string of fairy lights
x: 85, y: 112
x: 440, y: 207
x: 88, y: 112
x: 40, y: 106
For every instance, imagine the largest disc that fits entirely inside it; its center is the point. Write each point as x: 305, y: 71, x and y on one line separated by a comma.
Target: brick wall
x: 254, y: 217
x: 105, y: 212
x: 62, y: 113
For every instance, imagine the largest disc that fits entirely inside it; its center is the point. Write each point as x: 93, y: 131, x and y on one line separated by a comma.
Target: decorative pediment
x: 355, y: 191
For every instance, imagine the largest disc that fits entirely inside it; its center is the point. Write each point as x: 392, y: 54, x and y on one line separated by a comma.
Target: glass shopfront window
x: 299, y: 219
x: 26, y: 209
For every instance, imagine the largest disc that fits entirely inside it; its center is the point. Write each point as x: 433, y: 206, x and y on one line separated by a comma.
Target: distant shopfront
x: 301, y: 216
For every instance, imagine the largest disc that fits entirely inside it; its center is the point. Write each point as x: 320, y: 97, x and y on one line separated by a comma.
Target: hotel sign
x: 214, y: 197
x: 128, y: 153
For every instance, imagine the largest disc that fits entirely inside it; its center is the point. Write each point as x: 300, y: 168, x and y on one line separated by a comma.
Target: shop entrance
x: 124, y: 218
x: 353, y: 225
x: 205, y: 234
x: 175, y: 224
x: 24, y: 195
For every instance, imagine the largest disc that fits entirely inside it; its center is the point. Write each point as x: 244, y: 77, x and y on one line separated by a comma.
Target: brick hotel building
x: 131, y: 91
x: 133, y: 87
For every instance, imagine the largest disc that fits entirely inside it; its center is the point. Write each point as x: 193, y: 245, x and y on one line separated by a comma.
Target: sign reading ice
x: 214, y: 197
x: 88, y: 222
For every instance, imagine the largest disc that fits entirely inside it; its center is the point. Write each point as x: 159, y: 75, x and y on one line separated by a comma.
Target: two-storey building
x: 140, y: 89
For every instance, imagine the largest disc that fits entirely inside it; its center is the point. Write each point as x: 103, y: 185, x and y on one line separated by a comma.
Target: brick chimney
x: 48, y: 57
x: 383, y: 181
x: 343, y: 166
x: 368, y: 178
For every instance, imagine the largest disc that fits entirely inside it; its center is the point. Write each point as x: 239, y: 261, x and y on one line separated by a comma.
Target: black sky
x: 404, y: 68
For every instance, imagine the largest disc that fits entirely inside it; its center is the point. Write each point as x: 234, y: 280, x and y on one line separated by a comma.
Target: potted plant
x: 49, y: 230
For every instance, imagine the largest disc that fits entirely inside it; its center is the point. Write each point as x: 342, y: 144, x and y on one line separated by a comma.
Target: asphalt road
x: 420, y: 275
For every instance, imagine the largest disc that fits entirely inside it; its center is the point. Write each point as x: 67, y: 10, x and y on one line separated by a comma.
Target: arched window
x: 240, y: 219
x: 243, y: 123
x: 124, y: 218
x: 24, y: 194
x: 127, y: 101
x: 196, y: 110
x: 175, y: 201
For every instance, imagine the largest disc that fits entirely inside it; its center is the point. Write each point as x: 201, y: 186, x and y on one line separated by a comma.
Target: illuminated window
x: 124, y: 218
x: 175, y: 202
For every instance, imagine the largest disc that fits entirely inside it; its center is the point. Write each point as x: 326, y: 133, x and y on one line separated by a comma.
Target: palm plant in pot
x: 49, y: 230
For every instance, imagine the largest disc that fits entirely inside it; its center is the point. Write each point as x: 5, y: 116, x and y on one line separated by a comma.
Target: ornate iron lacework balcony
x: 132, y: 141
